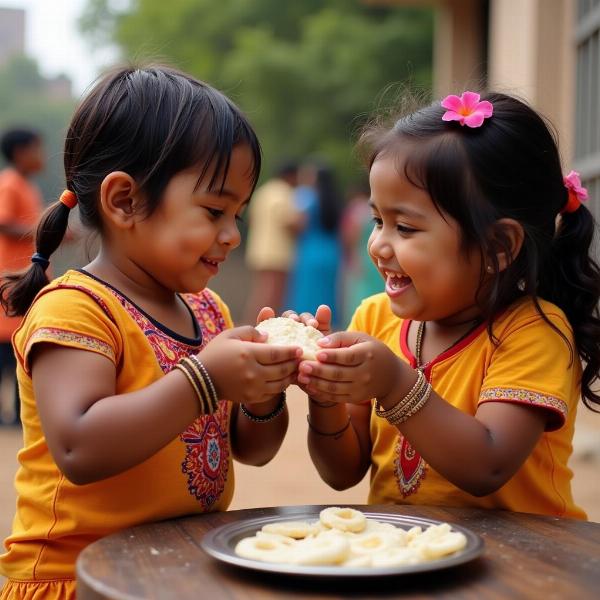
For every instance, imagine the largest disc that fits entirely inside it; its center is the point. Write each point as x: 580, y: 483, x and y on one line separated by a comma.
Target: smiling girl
x: 487, y: 334
x: 131, y: 381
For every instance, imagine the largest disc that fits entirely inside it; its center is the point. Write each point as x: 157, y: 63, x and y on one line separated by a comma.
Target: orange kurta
x: 20, y: 204
x: 531, y: 365
x: 55, y: 518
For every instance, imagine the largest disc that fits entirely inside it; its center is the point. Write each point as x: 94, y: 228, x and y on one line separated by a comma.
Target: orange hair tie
x: 69, y: 199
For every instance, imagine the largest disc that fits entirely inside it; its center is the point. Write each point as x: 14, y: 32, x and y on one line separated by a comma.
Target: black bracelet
x: 322, y: 404
x: 268, y: 417
x: 334, y: 434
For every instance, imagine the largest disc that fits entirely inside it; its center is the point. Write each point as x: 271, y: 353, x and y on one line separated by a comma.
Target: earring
x: 521, y: 284
x: 489, y: 269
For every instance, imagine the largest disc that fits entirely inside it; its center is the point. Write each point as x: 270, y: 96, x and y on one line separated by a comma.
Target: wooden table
x: 526, y: 556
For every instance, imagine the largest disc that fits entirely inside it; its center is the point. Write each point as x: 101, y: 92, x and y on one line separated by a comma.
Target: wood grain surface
x: 526, y: 556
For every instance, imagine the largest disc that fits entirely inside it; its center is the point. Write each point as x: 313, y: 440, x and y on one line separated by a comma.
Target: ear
x: 506, y: 240
x: 119, y: 199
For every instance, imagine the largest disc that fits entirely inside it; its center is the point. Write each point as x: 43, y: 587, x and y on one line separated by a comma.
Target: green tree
x: 24, y: 102
x: 307, y: 73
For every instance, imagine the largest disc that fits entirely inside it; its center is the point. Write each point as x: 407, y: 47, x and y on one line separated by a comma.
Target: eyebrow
x: 398, y: 210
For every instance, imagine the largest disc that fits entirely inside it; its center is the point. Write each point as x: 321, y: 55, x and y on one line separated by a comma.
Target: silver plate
x: 221, y: 541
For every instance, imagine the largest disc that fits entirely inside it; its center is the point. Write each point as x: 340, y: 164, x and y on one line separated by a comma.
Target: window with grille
x: 587, y: 120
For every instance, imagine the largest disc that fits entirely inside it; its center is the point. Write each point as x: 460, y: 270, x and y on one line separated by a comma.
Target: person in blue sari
x: 315, y: 276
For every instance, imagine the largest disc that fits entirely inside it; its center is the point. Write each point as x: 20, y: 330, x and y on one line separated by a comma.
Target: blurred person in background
x: 20, y: 209
x: 361, y: 278
x: 274, y: 223
x: 314, y: 279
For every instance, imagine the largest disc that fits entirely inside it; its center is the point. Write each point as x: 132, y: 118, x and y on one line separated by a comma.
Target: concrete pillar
x: 531, y: 54
x: 459, y: 46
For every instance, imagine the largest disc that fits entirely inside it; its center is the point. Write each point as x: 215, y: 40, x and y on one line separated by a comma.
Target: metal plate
x: 221, y: 541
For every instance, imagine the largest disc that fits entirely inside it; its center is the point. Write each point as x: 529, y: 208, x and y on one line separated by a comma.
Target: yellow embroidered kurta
x: 55, y: 518
x: 532, y: 365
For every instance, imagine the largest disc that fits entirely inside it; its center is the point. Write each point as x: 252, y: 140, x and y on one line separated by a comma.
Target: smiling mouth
x: 396, y: 283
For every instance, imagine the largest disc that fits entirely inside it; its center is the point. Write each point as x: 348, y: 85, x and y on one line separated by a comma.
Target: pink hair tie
x: 69, y: 199
x: 467, y: 109
x: 577, y: 193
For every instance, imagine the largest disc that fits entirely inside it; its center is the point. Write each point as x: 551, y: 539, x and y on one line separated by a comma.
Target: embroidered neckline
x: 454, y: 349
x: 195, y: 341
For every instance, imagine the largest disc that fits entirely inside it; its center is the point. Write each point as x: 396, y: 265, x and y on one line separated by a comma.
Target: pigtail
x: 18, y: 290
x: 571, y: 279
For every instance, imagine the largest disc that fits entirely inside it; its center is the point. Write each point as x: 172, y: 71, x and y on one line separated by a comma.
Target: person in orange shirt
x: 459, y: 385
x: 20, y: 209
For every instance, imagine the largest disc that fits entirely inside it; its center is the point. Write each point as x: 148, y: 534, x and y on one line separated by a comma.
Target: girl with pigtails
x: 136, y: 393
x: 459, y: 385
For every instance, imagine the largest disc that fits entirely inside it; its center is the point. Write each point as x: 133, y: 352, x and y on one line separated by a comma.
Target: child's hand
x: 245, y: 371
x: 352, y: 367
x: 321, y: 320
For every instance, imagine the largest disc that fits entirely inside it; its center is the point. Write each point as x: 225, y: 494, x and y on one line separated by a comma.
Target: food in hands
x: 283, y: 331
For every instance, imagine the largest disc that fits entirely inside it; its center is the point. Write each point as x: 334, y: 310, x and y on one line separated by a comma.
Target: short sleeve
x: 534, y: 365
x: 69, y: 317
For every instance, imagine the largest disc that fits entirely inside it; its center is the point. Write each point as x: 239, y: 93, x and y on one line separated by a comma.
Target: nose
x: 379, y: 245
x: 230, y: 235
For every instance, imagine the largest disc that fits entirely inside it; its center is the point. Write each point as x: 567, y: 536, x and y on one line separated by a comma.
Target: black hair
x: 507, y: 168
x: 330, y: 205
x: 151, y: 123
x: 14, y: 139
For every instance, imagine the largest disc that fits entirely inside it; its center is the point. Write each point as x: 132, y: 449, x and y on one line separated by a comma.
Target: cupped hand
x: 352, y: 367
x: 321, y: 320
x: 244, y: 369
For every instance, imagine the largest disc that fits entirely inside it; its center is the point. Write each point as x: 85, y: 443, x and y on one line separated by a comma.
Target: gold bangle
x: 211, y: 391
x: 415, y: 392
x: 414, y: 409
x: 194, y: 385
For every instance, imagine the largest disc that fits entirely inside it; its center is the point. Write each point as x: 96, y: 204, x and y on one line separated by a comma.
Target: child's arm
x: 94, y: 433
x: 476, y: 453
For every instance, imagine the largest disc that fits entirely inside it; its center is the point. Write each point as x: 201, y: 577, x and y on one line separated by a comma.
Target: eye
x: 239, y: 219
x: 405, y: 230
x: 377, y: 221
x: 215, y: 212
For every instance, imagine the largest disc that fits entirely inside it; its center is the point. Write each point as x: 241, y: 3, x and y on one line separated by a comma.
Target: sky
x: 53, y: 39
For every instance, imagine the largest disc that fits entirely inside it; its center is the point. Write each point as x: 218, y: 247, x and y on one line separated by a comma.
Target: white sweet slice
x: 283, y: 331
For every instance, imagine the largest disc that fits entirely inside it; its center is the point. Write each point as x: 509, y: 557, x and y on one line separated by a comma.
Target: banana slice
x: 344, y: 519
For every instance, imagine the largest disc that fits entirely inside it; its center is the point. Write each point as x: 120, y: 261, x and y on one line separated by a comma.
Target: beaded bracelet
x: 268, y: 417
x: 336, y: 435
x: 413, y: 410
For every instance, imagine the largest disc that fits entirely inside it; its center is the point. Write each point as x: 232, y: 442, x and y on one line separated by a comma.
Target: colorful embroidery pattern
x: 70, y: 338
x: 409, y: 467
x: 524, y: 397
x: 206, y: 462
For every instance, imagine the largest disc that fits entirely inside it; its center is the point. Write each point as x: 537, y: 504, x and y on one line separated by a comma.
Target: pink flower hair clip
x: 577, y: 193
x: 467, y: 109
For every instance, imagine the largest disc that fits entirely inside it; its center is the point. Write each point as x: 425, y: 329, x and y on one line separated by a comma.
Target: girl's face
x: 428, y: 277
x: 193, y: 229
